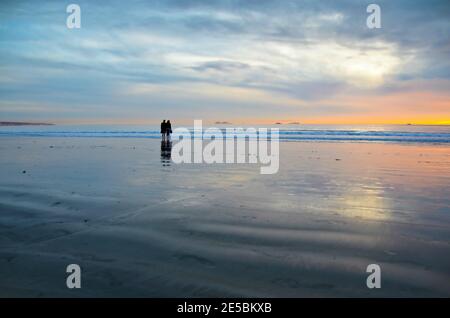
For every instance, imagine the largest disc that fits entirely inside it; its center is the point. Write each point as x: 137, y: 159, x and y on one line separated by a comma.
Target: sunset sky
x: 248, y: 61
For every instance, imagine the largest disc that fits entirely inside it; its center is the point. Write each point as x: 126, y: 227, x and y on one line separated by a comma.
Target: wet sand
x: 139, y: 225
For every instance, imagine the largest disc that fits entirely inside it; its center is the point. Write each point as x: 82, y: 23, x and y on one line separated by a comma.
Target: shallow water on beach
x: 139, y: 225
x: 343, y: 133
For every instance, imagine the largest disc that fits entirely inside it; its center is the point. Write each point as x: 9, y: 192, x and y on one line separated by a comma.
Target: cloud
x: 290, y: 52
x: 221, y: 66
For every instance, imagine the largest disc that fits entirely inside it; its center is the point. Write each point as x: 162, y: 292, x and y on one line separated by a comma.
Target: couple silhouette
x: 166, y: 130
x: 166, y: 144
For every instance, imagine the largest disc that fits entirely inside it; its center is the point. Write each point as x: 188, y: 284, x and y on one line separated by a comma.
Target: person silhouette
x: 163, y: 130
x: 168, y: 130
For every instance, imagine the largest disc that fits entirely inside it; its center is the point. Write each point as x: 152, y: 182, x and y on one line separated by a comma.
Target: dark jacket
x: 163, y: 127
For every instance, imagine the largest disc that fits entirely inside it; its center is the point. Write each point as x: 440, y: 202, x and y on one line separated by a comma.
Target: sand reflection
x: 367, y: 202
x: 166, y: 153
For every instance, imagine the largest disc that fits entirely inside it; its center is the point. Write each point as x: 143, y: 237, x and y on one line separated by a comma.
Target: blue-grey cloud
x: 295, y: 50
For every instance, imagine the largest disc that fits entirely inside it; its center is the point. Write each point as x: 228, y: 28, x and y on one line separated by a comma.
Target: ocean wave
x: 284, y: 135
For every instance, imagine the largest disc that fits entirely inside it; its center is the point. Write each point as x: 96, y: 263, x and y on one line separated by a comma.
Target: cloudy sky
x: 247, y: 61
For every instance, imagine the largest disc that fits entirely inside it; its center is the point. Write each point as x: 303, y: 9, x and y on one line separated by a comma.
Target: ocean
x: 337, y: 133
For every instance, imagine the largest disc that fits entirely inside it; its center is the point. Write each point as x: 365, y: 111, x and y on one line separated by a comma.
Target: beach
x: 141, y: 226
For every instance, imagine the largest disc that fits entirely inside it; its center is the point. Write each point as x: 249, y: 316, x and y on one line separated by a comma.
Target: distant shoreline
x: 18, y: 123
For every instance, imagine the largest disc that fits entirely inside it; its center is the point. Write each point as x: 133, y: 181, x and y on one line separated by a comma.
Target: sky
x: 246, y: 61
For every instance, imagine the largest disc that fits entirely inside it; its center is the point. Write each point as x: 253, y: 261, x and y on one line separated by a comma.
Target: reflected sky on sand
x: 143, y: 226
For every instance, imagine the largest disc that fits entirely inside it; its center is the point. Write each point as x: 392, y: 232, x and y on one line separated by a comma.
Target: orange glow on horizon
x: 420, y: 107
x: 347, y: 120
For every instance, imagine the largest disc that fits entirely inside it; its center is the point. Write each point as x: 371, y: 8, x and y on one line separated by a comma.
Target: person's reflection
x: 166, y: 152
